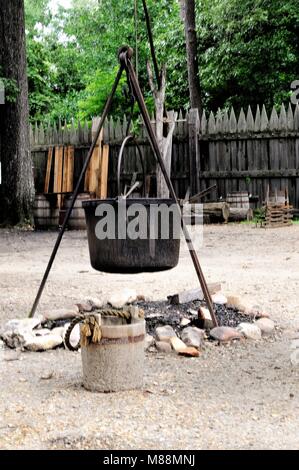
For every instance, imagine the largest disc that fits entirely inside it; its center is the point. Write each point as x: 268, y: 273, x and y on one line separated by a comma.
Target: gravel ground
x: 240, y: 396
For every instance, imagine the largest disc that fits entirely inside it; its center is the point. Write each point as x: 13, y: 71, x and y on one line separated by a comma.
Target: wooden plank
x: 58, y: 173
x: 48, y: 171
x: 70, y: 168
x: 103, y: 180
x: 93, y: 170
x: 65, y: 170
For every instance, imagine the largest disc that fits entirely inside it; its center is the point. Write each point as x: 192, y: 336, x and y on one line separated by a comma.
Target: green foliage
x: 97, y: 91
x: 11, y: 89
x: 248, y: 53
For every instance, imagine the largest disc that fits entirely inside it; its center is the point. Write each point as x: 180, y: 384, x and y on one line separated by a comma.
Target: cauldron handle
x: 120, y: 158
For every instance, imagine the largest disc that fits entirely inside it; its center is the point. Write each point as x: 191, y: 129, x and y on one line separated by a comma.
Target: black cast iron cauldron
x: 126, y: 255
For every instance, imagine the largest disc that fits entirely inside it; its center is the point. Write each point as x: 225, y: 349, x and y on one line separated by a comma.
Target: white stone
x: 43, y: 332
x: 59, y: 330
x: 165, y: 333
x: 95, y: 302
x: 185, y: 322
x: 193, y: 337
x: 205, y: 316
x: 17, y: 332
x: 250, y: 331
x: 266, y: 326
x: 62, y: 314
x: 219, y: 299
x: 148, y: 342
x: 43, y: 343
x: 177, y: 344
x: 120, y: 299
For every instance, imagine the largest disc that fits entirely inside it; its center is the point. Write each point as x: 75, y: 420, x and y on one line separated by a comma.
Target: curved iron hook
x: 120, y: 158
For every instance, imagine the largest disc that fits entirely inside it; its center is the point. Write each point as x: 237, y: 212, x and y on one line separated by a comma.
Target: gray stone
x: 225, y: 334
x: 47, y: 375
x: 250, y: 331
x: 148, y: 342
x: 2, y: 345
x: 120, y: 299
x: 43, y: 343
x: 165, y: 333
x: 266, y: 326
x: 62, y: 314
x: 163, y: 347
x: 193, y: 337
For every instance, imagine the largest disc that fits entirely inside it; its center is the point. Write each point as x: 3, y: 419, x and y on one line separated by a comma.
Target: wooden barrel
x: 238, y: 199
x: 45, y: 217
x: 77, y: 219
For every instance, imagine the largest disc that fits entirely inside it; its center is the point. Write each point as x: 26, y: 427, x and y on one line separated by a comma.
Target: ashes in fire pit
x: 162, y: 313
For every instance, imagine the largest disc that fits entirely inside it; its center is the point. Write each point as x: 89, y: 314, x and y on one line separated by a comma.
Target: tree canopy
x: 248, y: 53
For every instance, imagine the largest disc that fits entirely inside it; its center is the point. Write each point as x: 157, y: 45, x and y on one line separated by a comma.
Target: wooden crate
x: 277, y: 215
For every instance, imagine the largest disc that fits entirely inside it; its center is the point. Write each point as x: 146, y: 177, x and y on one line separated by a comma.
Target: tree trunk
x: 164, y: 142
x: 217, y: 211
x: 188, y: 16
x: 17, y: 175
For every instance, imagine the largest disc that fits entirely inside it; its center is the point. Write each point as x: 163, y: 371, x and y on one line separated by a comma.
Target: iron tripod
x: 125, y: 55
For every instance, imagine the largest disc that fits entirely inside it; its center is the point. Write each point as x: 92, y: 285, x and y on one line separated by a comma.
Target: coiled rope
x: 91, y: 331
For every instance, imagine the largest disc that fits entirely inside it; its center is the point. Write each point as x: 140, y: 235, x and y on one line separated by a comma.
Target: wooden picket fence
x: 247, y: 152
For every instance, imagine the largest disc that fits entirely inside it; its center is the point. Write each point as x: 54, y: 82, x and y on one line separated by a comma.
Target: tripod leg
x: 75, y: 194
x: 193, y: 254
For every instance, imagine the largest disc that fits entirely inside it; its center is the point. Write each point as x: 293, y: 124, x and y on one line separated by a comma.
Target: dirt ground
x: 241, y: 396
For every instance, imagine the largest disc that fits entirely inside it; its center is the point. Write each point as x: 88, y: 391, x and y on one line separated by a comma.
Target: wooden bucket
x: 116, y: 362
x: 238, y: 199
x: 45, y: 217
